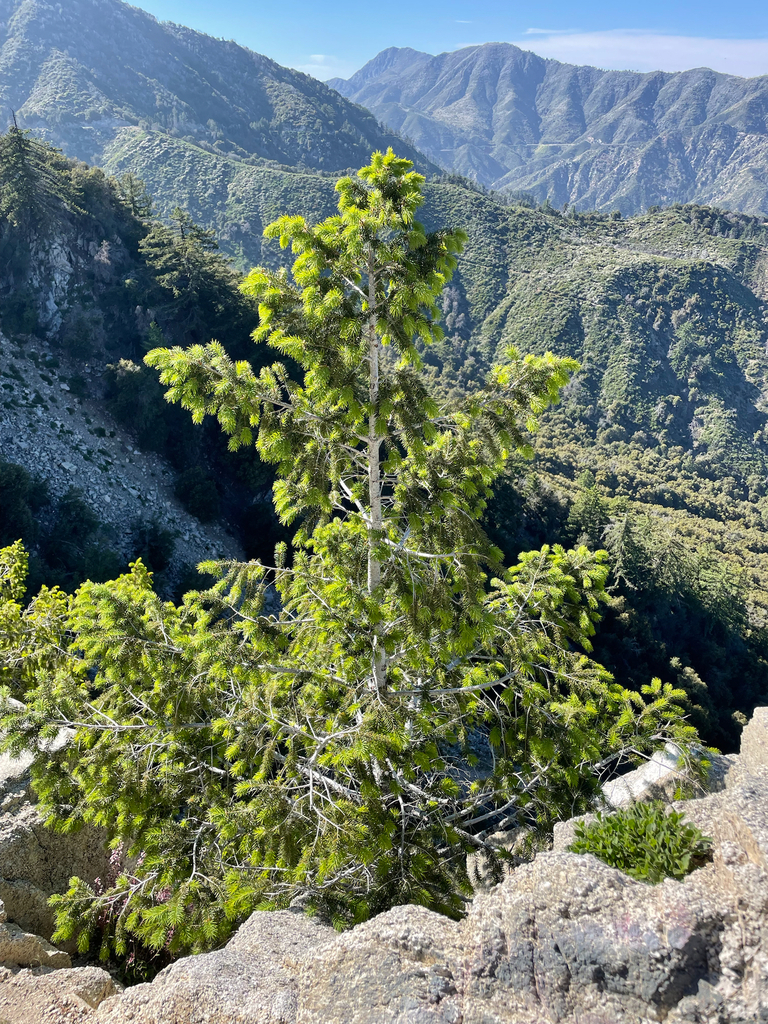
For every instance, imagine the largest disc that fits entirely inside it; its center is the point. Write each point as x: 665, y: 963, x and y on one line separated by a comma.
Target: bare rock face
x: 753, y: 758
x: 23, y: 949
x: 652, y: 780
x: 565, y: 832
x: 405, y: 965
x: 44, y: 996
x: 35, y: 861
x: 564, y: 939
x: 254, y: 979
x: 661, y: 777
x: 37, y: 985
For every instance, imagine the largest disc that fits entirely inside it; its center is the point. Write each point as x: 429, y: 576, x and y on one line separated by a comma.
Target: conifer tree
x: 132, y: 193
x: 32, y: 185
x: 197, y: 281
x: 345, y: 745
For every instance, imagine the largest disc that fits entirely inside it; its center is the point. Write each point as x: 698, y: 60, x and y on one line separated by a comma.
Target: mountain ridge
x: 600, y: 139
x: 78, y: 73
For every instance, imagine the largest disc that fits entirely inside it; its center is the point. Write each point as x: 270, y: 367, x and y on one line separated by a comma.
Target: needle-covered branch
x: 410, y: 696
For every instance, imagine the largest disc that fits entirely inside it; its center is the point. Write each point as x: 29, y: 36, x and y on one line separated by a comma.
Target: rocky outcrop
x: 253, y: 979
x: 22, y: 949
x: 37, y: 982
x: 35, y: 861
x: 42, y: 995
x: 563, y: 939
x: 753, y: 759
x: 664, y: 775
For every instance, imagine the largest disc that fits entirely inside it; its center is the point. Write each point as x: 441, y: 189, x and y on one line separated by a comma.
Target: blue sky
x: 327, y: 38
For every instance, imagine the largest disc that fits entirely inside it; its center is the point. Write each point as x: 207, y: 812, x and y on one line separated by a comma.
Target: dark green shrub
x: 645, y: 841
x: 19, y: 313
x: 153, y: 544
x: 78, y: 385
x: 197, y: 492
x: 21, y: 498
x: 78, y: 337
x: 77, y: 545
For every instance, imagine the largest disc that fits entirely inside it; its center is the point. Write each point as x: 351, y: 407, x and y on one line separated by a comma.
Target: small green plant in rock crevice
x: 645, y: 841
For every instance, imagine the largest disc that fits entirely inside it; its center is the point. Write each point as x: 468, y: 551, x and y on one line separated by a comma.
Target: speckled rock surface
x: 753, y: 756
x: 45, y: 996
x: 565, y: 832
x: 23, y: 949
x: 405, y: 965
x: 253, y: 980
x: 35, y: 861
x: 565, y: 939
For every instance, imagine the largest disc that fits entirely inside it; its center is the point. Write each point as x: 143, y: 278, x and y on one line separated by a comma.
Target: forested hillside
x: 80, y: 72
x: 658, y: 449
x: 582, y: 135
x: 97, y: 468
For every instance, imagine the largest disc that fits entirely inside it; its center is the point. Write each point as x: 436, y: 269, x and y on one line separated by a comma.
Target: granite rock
x: 42, y: 995
x: 253, y: 980
x: 35, y: 861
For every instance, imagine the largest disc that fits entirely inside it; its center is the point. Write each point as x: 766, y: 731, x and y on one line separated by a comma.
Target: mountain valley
x: 662, y: 430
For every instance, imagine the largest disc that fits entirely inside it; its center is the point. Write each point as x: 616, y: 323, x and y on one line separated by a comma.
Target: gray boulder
x: 23, y: 949
x: 564, y: 939
x: 254, y: 979
x: 35, y: 861
x: 565, y: 832
x: 753, y: 755
x: 41, y: 995
x: 407, y: 965
x: 662, y: 776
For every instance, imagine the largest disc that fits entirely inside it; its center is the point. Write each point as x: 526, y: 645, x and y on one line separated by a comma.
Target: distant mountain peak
x: 601, y: 139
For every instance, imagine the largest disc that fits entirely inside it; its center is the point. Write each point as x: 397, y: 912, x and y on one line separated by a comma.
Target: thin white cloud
x: 459, y: 21
x: 622, y: 49
x: 550, y: 31
x: 324, y: 66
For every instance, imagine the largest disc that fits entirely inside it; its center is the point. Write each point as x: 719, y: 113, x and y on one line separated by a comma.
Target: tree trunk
x: 379, y: 660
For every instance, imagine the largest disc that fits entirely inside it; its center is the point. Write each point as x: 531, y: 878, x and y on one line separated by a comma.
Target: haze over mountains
x: 597, y: 139
x: 104, y: 80
x: 89, y: 75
